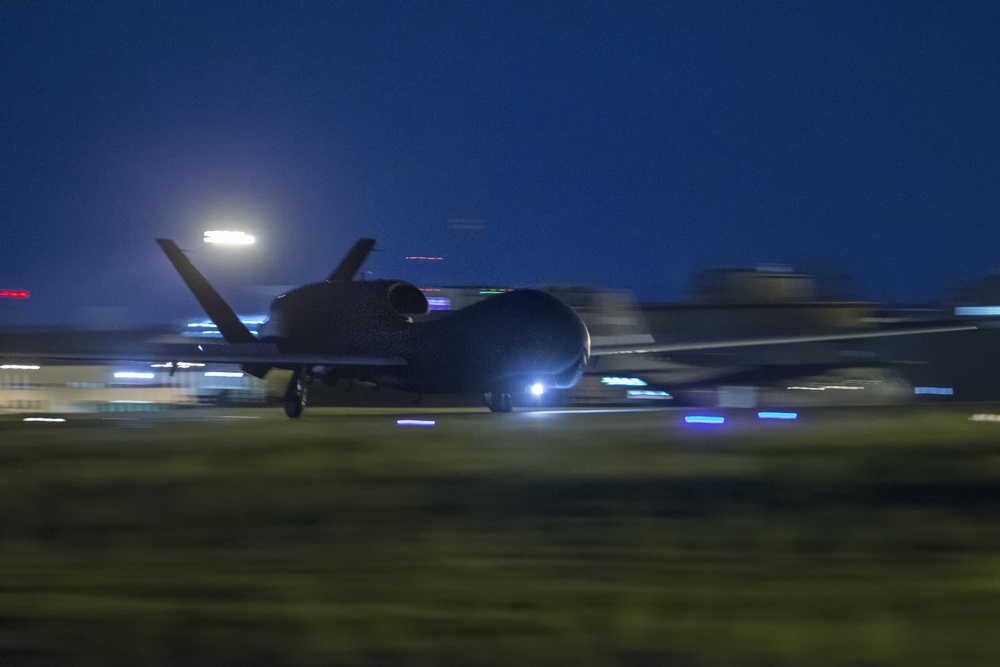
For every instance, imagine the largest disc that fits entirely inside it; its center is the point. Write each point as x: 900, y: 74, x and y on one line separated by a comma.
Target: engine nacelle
x: 406, y: 299
x: 345, y: 311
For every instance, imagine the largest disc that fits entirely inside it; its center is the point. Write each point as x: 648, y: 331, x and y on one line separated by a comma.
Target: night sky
x: 614, y: 144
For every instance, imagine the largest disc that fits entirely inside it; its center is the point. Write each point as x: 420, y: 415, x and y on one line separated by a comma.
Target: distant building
x: 762, y: 285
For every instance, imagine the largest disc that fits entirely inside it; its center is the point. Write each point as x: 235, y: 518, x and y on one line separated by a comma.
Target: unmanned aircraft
x: 343, y: 328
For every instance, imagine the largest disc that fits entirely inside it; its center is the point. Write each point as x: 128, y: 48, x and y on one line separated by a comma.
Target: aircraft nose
x: 567, y: 340
x: 577, y: 336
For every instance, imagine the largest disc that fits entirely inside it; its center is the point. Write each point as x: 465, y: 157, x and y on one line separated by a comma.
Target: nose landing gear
x: 295, y: 395
x: 498, y: 401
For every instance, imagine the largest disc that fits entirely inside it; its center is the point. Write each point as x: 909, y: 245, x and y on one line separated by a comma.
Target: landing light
x: 415, y: 422
x: 129, y: 375
x: 19, y: 367
x: 537, y: 389
x: 223, y: 374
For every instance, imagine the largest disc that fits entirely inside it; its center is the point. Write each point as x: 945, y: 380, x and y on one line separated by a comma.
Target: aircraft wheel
x: 295, y: 399
x: 498, y: 401
x: 293, y: 407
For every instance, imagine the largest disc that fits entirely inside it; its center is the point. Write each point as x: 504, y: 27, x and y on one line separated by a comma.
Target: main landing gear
x: 295, y: 395
x: 498, y: 401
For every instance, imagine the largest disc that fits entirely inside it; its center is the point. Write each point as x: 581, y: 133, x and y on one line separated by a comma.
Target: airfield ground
x: 847, y: 537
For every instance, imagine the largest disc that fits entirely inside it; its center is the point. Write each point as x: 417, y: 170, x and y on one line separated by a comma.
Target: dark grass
x: 851, y: 538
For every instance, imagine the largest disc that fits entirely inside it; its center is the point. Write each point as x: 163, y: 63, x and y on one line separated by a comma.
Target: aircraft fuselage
x: 503, y: 343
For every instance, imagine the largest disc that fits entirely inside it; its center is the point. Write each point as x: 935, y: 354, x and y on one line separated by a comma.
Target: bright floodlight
x: 537, y: 389
x: 229, y: 238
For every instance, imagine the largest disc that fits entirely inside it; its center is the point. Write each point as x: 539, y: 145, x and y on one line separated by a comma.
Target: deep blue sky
x: 619, y: 144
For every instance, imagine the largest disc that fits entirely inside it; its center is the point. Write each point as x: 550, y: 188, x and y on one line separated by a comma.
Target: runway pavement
x: 427, y: 536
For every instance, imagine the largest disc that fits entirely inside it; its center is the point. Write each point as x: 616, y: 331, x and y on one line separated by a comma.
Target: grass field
x: 847, y: 538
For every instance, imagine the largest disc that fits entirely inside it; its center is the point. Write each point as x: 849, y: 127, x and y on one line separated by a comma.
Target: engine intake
x: 406, y: 299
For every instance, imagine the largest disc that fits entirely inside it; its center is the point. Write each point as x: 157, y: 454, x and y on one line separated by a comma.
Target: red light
x: 14, y: 294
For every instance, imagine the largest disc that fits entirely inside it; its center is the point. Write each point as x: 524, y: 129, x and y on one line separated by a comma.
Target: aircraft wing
x: 696, y: 346
x: 253, y: 353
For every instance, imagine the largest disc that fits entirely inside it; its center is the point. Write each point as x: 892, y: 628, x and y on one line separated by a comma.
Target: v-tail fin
x: 351, y: 264
x: 229, y: 325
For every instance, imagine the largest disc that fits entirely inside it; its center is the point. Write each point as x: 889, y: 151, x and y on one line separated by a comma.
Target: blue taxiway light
x: 415, y: 422
x: 702, y: 419
x: 777, y: 415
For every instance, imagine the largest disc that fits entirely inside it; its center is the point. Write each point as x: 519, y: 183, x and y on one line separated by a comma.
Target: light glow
x: 206, y: 323
x: 777, y: 415
x: 49, y: 420
x: 537, y: 389
x: 205, y: 328
x: 13, y: 293
x: 179, y: 364
x: 828, y: 386
x: 223, y: 237
x: 649, y: 394
x: 984, y: 418
x: 704, y: 419
x: 415, y: 422
x: 132, y: 375
x: 622, y: 382
x: 438, y: 303
x: 934, y: 391
x: 223, y: 374
x: 19, y: 367
x: 978, y: 311
x: 588, y: 411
